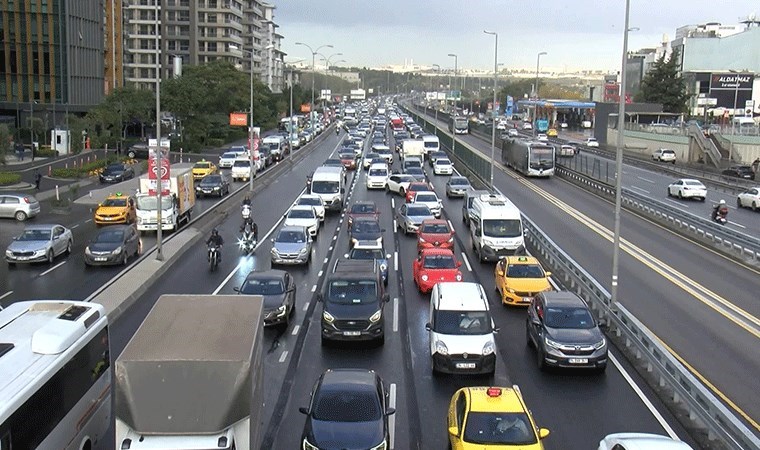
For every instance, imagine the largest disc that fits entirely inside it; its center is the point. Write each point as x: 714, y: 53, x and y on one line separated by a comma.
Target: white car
x: 315, y: 202
x: 241, y: 169
x: 542, y: 137
x: 512, y: 132
x: 399, y: 183
x: 527, y: 126
x: 567, y: 150
x: 641, y: 441
x: 303, y: 216
x: 429, y: 199
x: 687, y: 188
x: 377, y: 176
x: 592, y: 142
x: 664, y: 155
x: 749, y: 199
x: 443, y: 166
x: 563, y: 125
x: 227, y: 159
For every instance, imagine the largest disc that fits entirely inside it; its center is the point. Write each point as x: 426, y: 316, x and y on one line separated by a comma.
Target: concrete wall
x: 646, y: 143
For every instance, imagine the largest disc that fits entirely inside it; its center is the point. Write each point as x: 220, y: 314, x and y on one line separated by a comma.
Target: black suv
x: 353, y: 301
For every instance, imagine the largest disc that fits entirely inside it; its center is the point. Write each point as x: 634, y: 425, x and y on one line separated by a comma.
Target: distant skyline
x: 577, y: 35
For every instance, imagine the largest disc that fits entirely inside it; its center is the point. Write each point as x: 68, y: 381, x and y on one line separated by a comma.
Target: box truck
x: 177, y: 206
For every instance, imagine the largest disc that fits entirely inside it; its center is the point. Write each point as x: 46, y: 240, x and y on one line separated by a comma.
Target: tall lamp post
x: 327, y: 67
x: 454, y: 130
x: 535, y: 107
x: 158, y: 154
x: 313, y: 75
x: 619, y: 159
x: 494, y: 113
x: 437, y: 103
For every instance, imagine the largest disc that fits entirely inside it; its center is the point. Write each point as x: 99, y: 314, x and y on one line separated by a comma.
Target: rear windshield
x: 435, y: 228
x: 439, y: 262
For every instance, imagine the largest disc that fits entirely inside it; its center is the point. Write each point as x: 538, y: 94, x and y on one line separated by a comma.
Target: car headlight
x: 354, y: 241
x: 216, y: 188
x: 116, y: 251
x: 551, y: 343
x: 282, y: 310
x: 375, y: 317
x: 600, y: 345
x: 421, y: 240
x: 383, y: 267
x: 303, y: 251
x: 274, y: 252
x: 424, y: 277
x: 451, y: 240
x: 488, y: 348
x: 381, y: 446
x: 511, y: 291
x: 87, y: 251
x: 327, y: 317
x: 8, y: 253
x: 440, y: 348
x: 306, y: 445
x: 459, y: 276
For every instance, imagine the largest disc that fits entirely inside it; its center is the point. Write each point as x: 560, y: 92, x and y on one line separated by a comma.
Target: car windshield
x: 301, y: 214
x: 291, y: 237
x: 352, y: 292
x: 378, y: 172
x: 115, y: 168
x: 419, y: 187
x: 333, y: 162
x: 325, y: 187
x: 265, y: 286
x: 109, y: 236
x: 229, y: 155
x: 347, y: 406
x: 121, y: 202
x: 439, y: 262
x: 502, y: 228
x: 211, y: 180
x: 310, y: 201
x: 418, y: 210
x: 525, y: 271
x: 367, y: 253
x: 435, y: 228
x: 350, y: 156
x: 365, y: 226
x: 459, y: 182
x: 35, y: 235
x: 363, y: 208
x: 431, y: 144
x: 370, y: 156
x: 568, y: 317
x: 202, y: 165
x: 409, y: 163
x: 502, y: 428
x: 426, y: 198
x: 462, y: 322
x: 148, y: 203
x: 415, y: 171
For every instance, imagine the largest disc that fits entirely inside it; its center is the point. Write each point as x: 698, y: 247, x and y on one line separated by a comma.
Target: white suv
x: 241, y: 169
x: 664, y: 155
x: 461, y: 330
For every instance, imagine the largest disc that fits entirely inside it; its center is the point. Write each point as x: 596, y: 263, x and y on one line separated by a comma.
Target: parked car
x: 278, y: 289
x: 744, y: 172
x: 443, y: 166
x: 365, y: 229
x: 227, y: 158
x: 410, y: 216
x: 435, y: 233
x: 687, y: 188
x: 116, y: 173
x: 18, y: 206
x: 664, y: 155
x: 39, y: 243
x: 641, y: 441
x: 435, y: 265
x: 112, y: 245
x: 302, y: 215
x: 371, y: 250
x: 567, y: 150
x: 362, y: 208
x: 399, y: 183
x: 315, y: 202
x: 592, y: 142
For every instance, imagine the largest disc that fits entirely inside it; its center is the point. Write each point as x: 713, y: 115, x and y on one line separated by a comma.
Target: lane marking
x: 736, y: 224
x: 320, y: 273
x: 295, y: 330
x: 395, y: 314
x: 283, y: 356
x: 306, y: 306
x: 395, y: 226
x: 395, y: 260
x: 466, y: 262
x: 645, y: 179
x: 677, y: 203
x: 52, y: 268
x: 326, y: 259
x: 393, y: 203
x: 643, y: 397
x: 6, y: 294
x: 640, y: 189
x: 74, y: 226
x: 451, y: 227
x: 88, y: 221
x: 314, y: 288
x: 392, y: 417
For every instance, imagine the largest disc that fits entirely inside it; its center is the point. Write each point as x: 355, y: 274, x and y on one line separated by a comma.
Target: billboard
x: 238, y: 119
x: 358, y: 94
x: 305, y: 107
x: 731, y: 88
x: 155, y: 167
x: 510, y: 109
x: 325, y: 94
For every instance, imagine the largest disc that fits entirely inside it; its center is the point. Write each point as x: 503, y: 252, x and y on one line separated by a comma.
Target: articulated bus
x: 459, y: 125
x: 55, y: 375
x: 531, y: 158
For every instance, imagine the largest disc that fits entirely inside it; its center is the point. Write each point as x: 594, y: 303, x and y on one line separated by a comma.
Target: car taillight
x: 26, y: 200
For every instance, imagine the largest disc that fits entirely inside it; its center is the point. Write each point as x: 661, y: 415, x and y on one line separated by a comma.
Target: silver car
x: 18, y: 206
x: 292, y: 245
x: 409, y: 216
x: 40, y: 243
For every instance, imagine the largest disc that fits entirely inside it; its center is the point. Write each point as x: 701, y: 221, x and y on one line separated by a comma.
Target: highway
x: 700, y: 304
x: 294, y: 357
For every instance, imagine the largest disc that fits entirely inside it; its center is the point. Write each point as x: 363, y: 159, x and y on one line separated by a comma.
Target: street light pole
x: 453, y: 128
x: 159, y: 154
x: 437, y: 103
x: 535, y: 107
x: 619, y: 159
x: 494, y: 113
x: 313, y: 75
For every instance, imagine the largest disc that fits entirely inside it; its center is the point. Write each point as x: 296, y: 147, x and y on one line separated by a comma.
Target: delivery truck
x: 177, y: 206
x: 191, y: 376
x: 412, y: 147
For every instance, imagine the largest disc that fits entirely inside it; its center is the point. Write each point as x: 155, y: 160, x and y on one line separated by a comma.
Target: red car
x: 435, y: 233
x: 363, y: 208
x: 414, y: 187
x: 435, y: 265
x: 348, y: 160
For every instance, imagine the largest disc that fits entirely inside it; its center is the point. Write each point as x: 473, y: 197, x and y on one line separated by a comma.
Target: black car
x: 744, y: 172
x: 112, y: 245
x: 214, y: 184
x: 138, y: 151
x: 116, y: 173
x: 365, y: 228
x: 347, y: 409
x: 279, y: 291
x: 265, y: 154
x: 563, y: 331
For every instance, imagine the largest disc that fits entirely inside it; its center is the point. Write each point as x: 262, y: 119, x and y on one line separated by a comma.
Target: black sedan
x: 116, y: 173
x: 347, y: 410
x: 279, y: 291
x: 214, y: 184
x: 744, y: 172
x: 112, y: 245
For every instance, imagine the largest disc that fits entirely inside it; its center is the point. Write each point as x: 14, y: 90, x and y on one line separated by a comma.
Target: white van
x: 495, y: 228
x: 278, y: 146
x: 377, y: 176
x: 461, y: 329
x: 241, y: 169
x: 328, y: 183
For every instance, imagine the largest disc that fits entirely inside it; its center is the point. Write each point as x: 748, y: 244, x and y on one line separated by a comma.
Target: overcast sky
x: 577, y: 34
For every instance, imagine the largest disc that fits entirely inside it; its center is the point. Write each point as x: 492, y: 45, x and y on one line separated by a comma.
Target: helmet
x: 722, y: 202
x: 215, y: 232
x: 247, y: 197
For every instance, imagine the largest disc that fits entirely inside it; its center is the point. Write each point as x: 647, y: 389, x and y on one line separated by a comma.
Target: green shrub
x: 65, y: 173
x: 8, y: 178
x: 214, y: 142
x: 46, y: 153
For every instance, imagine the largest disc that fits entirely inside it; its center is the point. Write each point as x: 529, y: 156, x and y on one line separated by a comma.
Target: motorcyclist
x: 720, y: 210
x: 250, y: 227
x: 247, y: 219
x: 216, y: 240
x: 247, y: 200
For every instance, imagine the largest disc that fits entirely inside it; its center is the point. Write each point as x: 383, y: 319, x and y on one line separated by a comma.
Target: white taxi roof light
x: 493, y: 392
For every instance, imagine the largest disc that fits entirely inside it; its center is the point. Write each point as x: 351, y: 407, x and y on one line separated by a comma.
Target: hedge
x: 88, y: 169
x: 46, y: 153
x: 8, y: 178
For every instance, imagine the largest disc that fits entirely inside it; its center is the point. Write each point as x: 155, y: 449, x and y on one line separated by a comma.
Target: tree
x: 108, y: 120
x: 663, y: 84
x: 6, y: 137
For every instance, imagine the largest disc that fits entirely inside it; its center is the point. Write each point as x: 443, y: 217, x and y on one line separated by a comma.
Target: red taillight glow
x: 494, y: 392
x: 26, y: 200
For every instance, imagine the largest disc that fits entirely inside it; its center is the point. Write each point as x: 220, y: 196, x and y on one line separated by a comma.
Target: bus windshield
x: 541, y: 157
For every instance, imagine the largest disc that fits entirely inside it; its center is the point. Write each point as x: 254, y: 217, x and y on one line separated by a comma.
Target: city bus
x: 459, y: 125
x: 55, y: 375
x: 532, y: 159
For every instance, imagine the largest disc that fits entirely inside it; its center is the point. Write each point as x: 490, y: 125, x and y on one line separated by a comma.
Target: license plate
x: 352, y: 333
x: 578, y: 360
x: 527, y: 299
x: 100, y: 258
x: 465, y: 365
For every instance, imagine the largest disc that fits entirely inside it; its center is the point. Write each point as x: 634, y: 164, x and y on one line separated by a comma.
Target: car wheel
x: 754, y: 206
x: 702, y: 199
x: 528, y: 341
x: 124, y: 259
x: 669, y: 194
x: 680, y: 195
x: 131, y: 154
x: 381, y: 340
x: 739, y: 203
x: 20, y: 216
x: 601, y: 369
x: 68, y: 248
x: 401, y: 192
x: 50, y: 256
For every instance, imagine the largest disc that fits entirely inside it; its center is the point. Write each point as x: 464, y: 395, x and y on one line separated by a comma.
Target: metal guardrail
x: 704, y: 410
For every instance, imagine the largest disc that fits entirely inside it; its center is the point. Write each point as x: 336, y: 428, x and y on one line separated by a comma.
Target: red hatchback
x: 416, y: 186
x: 348, y: 160
x: 435, y: 265
x: 435, y: 233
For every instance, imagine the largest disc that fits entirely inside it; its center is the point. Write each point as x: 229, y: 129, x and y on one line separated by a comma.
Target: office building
x: 113, y: 46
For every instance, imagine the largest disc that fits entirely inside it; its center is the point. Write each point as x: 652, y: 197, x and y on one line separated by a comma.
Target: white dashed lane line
x: 306, y: 306
x: 52, y: 268
x: 466, y: 262
x: 283, y: 356
x: 295, y: 330
x: 314, y: 288
x: 6, y: 294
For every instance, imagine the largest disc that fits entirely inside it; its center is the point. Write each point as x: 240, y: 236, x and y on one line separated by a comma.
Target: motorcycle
x: 213, y: 257
x: 245, y: 211
x: 248, y: 241
x: 720, y: 215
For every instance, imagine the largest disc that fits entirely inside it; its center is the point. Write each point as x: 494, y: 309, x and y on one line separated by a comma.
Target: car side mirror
x: 428, y: 326
x: 499, y: 272
x: 453, y: 431
x: 536, y: 321
x: 390, y: 411
x: 346, y: 256
x: 342, y: 190
x: 459, y: 263
x: 292, y: 289
x: 382, y: 230
x: 303, y: 410
x: 15, y: 238
x: 386, y: 297
x: 236, y: 289
x: 543, y: 433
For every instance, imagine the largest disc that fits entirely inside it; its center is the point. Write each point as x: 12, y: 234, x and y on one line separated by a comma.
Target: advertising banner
x: 238, y: 119
x: 731, y: 89
x: 158, y: 162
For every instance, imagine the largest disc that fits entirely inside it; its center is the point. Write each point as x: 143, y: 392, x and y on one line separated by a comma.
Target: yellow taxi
x: 551, y: 132
x: 519, y: 278
x: 203, y: 168
x: 116, y: 208
x: 492, y: 417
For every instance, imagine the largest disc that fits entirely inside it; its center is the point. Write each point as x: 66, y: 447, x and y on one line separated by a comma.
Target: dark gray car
x: 563, y: 331
x: 116, y: 173
x: 113, y: 244
x: 279, y: 291
x: 214, y: 184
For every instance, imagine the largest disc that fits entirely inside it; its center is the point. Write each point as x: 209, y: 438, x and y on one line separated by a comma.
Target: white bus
x: 55, y: 375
